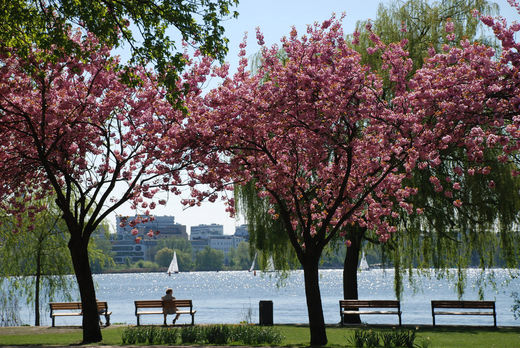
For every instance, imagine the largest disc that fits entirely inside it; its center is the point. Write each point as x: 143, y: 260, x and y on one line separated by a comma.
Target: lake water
x: 232, y: 297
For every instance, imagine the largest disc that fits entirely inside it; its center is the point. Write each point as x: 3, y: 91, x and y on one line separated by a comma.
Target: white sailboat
x: 270, y: 265
x: 253, y: 263
x: 174, y: 267
x: 363, y: 264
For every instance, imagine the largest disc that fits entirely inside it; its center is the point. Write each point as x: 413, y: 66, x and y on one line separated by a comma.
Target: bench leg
x: 107, y: 319
x: 433, y: 316
x: 193, y: 319
x: 399, y: 319
x: 137, y: 320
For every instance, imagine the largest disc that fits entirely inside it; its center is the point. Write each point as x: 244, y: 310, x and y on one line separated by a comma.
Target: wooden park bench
x: 67, y: 309
x: 464, y: 308
x: 369, y: 307
x: 145, y: 307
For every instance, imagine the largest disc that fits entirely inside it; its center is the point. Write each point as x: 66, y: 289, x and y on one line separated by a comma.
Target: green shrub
x: 218, y: 334
x: 211, y: 334
x: 167, y: 336
x: 191, y: 334
x: 149, y: 334
x: 389, y: 338
x: 249, y: 334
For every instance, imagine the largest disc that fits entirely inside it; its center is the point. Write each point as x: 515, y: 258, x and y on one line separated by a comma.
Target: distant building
x: 126, y: 249
x: 242, y: 231
x: 225, y: 243
x: 198, y: 245
x: 162, y: 227
x: 127, y: 246
x: 206, y: 231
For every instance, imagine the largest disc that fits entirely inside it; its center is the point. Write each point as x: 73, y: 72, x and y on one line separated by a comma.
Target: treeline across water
x: 241, y: 258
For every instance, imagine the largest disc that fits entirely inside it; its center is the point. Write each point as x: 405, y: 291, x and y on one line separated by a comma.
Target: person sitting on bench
x: 169, y: 308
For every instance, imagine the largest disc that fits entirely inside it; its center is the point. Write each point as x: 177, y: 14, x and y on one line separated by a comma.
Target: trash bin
x: 266, y: 312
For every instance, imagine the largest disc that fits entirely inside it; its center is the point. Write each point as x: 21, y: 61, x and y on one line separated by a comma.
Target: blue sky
x: 275, y: 19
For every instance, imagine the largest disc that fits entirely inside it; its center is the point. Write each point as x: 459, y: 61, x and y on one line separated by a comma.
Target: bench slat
x: 463, y: 313
x: 353, y: 307
x: 370, y: 312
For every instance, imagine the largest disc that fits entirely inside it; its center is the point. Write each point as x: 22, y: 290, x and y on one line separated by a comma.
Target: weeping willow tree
x: 481, y: 231
x: 35, y: 261
x: 422, y: 23
x: 266, y: 235
x: 36, y: 264
x: 444, y: 237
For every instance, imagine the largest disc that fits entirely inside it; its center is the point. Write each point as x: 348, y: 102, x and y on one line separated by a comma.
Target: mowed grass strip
x: 295, y: 335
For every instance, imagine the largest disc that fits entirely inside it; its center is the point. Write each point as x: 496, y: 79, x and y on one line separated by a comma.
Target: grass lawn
x: 295, y: 335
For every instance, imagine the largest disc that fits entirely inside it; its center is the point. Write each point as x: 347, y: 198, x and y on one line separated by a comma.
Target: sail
x: 253, y: 264
x: 363, y: 265
x: 173, y: 268
x: 270, y: 265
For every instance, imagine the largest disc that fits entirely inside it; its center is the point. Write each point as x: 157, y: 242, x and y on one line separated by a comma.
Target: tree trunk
x: 350, y: 266
x: 37, y: 286
x: 80, y: 261
x: 314, y: 307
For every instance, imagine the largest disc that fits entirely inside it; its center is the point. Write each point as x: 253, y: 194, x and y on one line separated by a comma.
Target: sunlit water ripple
x: 231, y: 297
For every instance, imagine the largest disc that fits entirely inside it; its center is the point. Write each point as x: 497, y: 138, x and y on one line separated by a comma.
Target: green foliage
x: 294, y: 336
x: 218, y: 334
x: 253, y: 335
x: 425, y: 23
x: 181, y: 246
x: 382, y: 338
x: 266, y: 234
x: 209, y: 260
x: 146, y: 264
x: 481, y: 232
x: 239, y: 258
x: 100, y: 250
x: 207, y: 334
x: 150, y: 335
x: 163, y: 257
x: 35, y: 261
x: 144, y: 26
x: 192, y: 334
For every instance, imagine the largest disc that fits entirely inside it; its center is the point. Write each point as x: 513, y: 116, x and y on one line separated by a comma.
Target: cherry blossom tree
x: 315, y: 134
x: 72, y: 129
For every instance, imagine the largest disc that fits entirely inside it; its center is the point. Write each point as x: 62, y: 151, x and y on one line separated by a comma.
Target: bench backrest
x: 101, y: 305
x: 159, y: 303
x: 369, y: 304
x: 64, y: 305
x: 463, y: 304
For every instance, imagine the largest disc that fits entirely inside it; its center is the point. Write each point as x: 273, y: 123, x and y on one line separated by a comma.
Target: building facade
x: 225, y: 243
x: 128, y: 247
x: 206, y: 231
x: 162, y: 226
x: 242, y: 231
